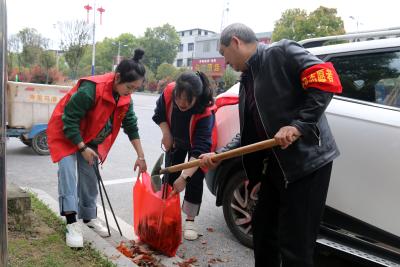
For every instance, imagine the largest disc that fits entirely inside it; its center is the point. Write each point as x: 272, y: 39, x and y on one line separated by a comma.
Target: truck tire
x: 25, y: 141
x: 238, y: 208
x: 39, y: 144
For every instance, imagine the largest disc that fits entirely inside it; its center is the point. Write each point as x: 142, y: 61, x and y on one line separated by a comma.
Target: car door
x: 365, y: 120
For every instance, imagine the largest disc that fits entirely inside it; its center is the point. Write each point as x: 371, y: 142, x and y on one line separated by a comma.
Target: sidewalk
x: 106, y: 246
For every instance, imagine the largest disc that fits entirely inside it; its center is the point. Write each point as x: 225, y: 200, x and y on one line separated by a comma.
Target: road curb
x: 97, y: 242
x: 100, y: 244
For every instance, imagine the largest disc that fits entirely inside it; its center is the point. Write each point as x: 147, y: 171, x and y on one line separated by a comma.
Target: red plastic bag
x: 157, y: 221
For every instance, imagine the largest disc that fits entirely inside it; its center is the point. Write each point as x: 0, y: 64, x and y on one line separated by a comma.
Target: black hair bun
x: 138, y: 54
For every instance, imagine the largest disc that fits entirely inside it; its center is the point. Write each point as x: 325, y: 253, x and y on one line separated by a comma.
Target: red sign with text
x: 210, y: 66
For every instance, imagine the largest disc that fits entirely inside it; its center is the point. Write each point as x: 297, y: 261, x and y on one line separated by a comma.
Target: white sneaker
x: 190, y: 231
x: 98, y: 227
x: 74, y: 237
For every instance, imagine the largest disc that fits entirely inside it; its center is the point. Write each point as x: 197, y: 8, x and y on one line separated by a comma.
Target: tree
x: 165, y: 70
x: 325, y: 22
x: 107, y: 51
x: 296, y: 24
x: 127, y: 42
x: 48, y: 60
x: 150, y: 81
x: 160, y: 45
x: 230, y: 77
x: 14, y: 57
x: 179, y: 71
x: 74, y: 41
x: 32, y: 46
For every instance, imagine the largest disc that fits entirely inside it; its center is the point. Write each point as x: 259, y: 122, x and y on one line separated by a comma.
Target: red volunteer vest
x: 168, y: 96
x: 93, y: 122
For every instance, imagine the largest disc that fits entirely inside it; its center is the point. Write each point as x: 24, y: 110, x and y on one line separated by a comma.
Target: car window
x: 373, y: 77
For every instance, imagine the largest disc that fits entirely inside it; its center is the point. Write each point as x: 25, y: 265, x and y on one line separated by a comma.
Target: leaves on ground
x: 186, y: 263
x: 139, y: 254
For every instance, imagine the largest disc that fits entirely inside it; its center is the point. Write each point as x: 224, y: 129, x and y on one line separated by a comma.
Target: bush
x: 36, y: 74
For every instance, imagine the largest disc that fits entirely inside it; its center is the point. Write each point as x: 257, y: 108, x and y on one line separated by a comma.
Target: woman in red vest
x: 185, y: 114
x: 82, y: 129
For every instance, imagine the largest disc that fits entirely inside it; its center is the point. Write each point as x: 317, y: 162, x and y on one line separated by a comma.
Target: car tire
x: 238, y: 209
x: 39, y: 144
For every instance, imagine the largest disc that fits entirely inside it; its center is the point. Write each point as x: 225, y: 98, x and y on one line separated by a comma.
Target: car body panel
x: 230, y: 127
x: 365, y: 182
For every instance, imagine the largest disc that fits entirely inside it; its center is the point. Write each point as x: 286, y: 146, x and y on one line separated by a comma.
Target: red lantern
x: 101, y: 10
x: 88, y: 8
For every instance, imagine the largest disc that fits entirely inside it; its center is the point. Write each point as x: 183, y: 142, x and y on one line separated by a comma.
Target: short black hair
x: 241, y: 31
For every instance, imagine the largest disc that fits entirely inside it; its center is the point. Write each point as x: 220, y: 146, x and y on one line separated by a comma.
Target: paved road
x: 27, y: 169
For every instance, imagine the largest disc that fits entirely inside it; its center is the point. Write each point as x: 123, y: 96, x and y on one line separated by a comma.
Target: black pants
x: 286, y: 220
x: 194, y: 188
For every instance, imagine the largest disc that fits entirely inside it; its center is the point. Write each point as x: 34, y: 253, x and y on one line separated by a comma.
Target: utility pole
x: 224, y: 17
x: 357, y: 21
x: 94, y: 39
x: 3, y: 184
x: 118, y: 53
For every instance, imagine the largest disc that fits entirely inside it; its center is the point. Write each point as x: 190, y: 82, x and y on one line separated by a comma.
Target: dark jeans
x: 286, y: 220
x: 194, y: 188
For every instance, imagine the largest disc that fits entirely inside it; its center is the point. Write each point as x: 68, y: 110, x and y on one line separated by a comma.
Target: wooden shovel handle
x: 224, y: 155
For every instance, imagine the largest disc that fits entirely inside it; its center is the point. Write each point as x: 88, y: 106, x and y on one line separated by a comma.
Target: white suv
x: 362, y: 217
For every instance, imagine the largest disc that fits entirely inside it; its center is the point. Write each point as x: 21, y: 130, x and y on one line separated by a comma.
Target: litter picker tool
x: 101, y: 185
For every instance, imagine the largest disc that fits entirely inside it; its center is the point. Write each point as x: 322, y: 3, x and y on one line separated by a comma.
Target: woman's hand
x: 207, y: 162
x: 141, y: 164
x: 89, y: 155
x: 167, y: 140
x: 179, y: 185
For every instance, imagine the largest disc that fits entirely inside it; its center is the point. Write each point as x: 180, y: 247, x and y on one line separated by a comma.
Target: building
x: 187, y: 45
x: 206, y: 56
x: 264, y: 37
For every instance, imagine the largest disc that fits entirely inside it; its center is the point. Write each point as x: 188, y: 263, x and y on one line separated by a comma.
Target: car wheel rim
x: 42, y: 143
x: 243, y: 204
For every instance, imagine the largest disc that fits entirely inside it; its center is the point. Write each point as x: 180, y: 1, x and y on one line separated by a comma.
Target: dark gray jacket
x: 282, y: 101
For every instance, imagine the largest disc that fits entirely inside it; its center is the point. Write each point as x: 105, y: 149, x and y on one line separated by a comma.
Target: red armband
x: 323, y: 77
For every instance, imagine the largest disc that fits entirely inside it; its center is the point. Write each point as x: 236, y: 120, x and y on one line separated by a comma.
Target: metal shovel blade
x: 155, y: 174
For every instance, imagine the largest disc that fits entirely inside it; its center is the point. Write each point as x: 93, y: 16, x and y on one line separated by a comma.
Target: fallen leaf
x: 139, y: 254
x: 125, y: 250
x: 210, y: 229
x: 215, y: 260
x: 187, y: 262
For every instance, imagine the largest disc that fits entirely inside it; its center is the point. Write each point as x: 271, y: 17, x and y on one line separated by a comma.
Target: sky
x: 127, y: 16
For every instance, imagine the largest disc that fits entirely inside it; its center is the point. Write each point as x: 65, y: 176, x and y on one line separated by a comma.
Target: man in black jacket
x: 284, y: 92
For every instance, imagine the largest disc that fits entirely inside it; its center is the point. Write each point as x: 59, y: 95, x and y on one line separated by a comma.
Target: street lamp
x: 357, y: 21
x: 119, y: 52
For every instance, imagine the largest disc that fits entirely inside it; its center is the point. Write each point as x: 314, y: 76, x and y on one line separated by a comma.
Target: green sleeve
x: 129, y: 123
x: 77, y: 107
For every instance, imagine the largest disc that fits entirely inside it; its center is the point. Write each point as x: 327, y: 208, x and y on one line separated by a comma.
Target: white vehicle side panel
x: 365, y: 182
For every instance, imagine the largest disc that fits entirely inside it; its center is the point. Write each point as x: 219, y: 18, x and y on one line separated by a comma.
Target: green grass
x: 44, y: 244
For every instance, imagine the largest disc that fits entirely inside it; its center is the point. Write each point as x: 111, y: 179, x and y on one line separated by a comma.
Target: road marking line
x: 120, y: 181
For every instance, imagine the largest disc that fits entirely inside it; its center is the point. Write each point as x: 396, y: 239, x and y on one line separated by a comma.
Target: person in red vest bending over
x: 81, y: 131
x: 185, y: 114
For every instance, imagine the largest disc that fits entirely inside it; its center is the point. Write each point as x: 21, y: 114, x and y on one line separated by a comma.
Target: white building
x: 187, y: 46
